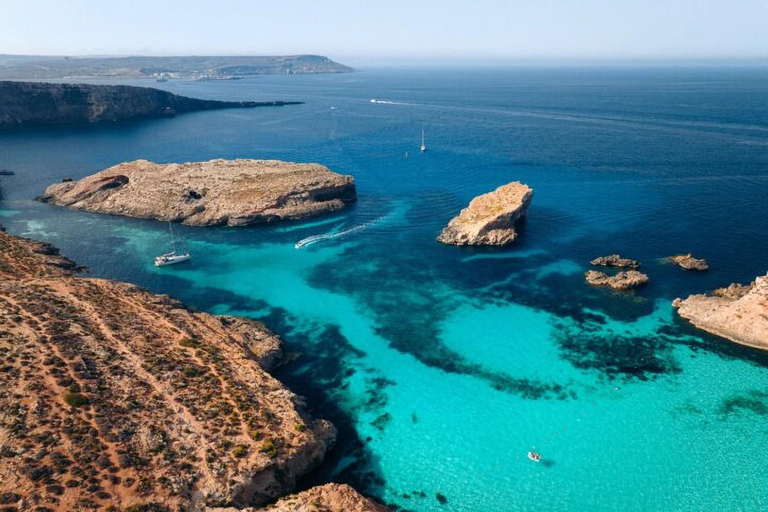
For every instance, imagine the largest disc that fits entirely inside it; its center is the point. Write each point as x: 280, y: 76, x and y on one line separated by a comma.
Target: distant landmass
x: 36, y: 103
x: 26, y: 67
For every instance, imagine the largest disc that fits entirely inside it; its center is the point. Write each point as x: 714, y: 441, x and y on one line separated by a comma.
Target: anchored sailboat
x: 423, y: 146
x: 172, y: 257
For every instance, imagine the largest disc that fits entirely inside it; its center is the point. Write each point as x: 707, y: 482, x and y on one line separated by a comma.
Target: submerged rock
x: 614, y: 260
x: 737, y: 313
x: 490, y: 218
x: 217, y: 192
x: 688, y: 262
x: 621, y: 281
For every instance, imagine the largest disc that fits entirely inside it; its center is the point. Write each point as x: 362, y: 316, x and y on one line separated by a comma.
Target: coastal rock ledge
x: 217, y: 192
x: 737, y: 313
x: 490, y: 218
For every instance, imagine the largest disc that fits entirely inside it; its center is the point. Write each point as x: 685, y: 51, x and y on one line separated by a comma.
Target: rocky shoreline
x: 117, y: 397
x: 738, y: 313
x: 213, y: 193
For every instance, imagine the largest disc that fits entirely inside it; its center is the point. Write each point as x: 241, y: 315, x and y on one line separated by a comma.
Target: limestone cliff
x: 34, y: 103
x: 490, y: 218
x: 737, y: 313
x: 115, y: 398
x: 218, y: 192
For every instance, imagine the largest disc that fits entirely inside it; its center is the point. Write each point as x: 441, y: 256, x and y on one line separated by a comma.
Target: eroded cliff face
x: 737, y: 313
x: 113, y: 396
x: 217, y: 192
x: 490, y: 218
x: 35, y: 103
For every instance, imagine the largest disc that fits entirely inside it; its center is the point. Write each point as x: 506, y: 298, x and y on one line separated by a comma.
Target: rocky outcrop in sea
x: 217, y: 192
x: 738, y: 313
x: 688, y: 262
x: 614, y: 260
x: 490, y: 218
x: 621, y: 281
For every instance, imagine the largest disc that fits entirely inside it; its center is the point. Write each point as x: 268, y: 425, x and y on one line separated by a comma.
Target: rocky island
x: 35, y: 103
x: 621, y: 281
x: 217, y: 192
x: 614, y: 260
x: 490, y: 218
x: 688, y: 262
x: 118, y: 399
x: 738, y: 313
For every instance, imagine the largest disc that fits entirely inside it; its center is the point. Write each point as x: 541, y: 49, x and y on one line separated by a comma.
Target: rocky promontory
x: 490, y: 218
x: 738, y: 313
x: 621, y: 281
x: 37, y: 103
x: 118, y: 399
x: 217, y: 192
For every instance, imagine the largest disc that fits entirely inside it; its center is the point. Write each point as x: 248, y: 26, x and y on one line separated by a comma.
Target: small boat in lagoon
x: 173, y: 257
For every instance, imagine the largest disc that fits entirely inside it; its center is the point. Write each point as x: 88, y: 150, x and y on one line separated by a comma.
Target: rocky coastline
x: 738, y: 313
x: 40, y: 104
x: 490, y: 218
x: 213, y: 193
x: 116, y: 397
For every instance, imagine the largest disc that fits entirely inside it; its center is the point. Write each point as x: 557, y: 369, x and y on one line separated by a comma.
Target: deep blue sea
x: 443, y: 366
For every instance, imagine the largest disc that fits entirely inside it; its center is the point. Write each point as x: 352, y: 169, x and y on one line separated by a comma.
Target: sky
x: 391, y: 30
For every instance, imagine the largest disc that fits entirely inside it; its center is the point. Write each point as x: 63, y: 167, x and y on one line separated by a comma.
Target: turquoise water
x: 443, y: 366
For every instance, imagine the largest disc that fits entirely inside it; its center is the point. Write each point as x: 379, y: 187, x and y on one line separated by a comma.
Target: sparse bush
x: 240, y: 451
x: 76, y: 399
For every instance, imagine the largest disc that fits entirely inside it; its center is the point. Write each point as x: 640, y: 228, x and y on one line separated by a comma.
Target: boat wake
x: 387, y: 102
x: 337, y: 234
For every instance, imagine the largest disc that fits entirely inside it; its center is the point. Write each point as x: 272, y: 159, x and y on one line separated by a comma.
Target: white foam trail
x: 337, y: 234
x: 387, y: 102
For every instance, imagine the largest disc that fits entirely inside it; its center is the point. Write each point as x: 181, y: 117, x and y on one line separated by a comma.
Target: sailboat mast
x: 173, y: 241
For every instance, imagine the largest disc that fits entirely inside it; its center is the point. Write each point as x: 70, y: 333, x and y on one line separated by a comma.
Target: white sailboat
x: 172, y: 257
x: 423, y: 146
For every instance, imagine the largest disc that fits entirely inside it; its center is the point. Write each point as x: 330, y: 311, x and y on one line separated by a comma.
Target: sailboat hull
x: 171, y: 259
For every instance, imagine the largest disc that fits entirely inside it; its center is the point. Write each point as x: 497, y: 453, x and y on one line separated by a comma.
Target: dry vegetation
x: 115, y: 398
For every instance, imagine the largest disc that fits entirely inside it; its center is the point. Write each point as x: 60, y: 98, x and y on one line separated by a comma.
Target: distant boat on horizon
x: 171, y: 258
x: 423, y: 145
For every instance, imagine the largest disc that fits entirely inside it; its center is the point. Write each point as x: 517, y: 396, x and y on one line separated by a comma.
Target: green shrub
x: 240, y: 451
x: 76, y: 399
x: 189, y: 343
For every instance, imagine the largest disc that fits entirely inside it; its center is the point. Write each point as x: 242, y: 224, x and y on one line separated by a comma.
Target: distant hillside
x: 35, y: 103
x: 23, y: 67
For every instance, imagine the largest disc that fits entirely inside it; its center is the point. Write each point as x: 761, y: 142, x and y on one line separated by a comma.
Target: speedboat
x: 535, y: 457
